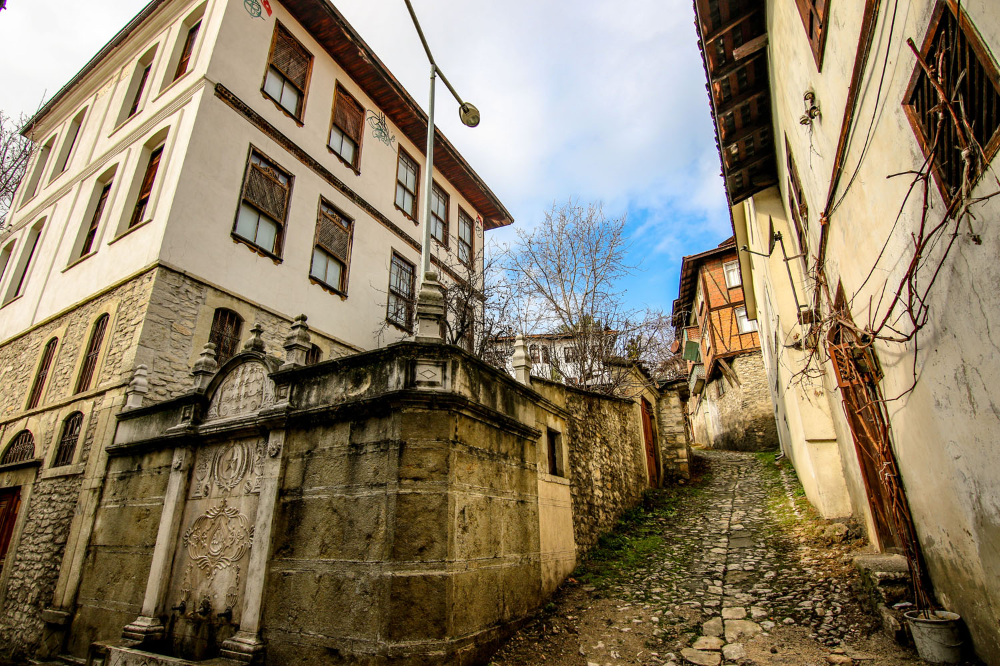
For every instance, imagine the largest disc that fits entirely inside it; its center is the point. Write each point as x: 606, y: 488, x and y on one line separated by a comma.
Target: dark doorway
x: 648, y: 435
x: 10, y: 501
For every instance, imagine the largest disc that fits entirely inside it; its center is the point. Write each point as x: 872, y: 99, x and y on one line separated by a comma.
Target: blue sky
x: 580, y: 99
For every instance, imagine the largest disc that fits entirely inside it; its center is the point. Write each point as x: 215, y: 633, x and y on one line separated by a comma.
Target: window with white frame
x: 407, y: 179
x: 732, y: 270
x: 466, y: 244
x: 743, y: 324
x: 439, y: 214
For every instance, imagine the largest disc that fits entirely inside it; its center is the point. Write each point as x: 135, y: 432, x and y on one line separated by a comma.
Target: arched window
x: 225, y: 335
x: 93, y: 352
x: 68, y: 439
x: 21, y: 448
x: 315, y: 355
x: 43, y: 373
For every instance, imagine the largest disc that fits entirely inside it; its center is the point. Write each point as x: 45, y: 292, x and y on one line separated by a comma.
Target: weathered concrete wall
x: 742, y: 418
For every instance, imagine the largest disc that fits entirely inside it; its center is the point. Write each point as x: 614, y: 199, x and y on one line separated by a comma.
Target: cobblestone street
x: 732, y: 569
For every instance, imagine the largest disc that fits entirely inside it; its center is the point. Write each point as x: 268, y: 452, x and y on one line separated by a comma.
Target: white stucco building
x: 841, y: 165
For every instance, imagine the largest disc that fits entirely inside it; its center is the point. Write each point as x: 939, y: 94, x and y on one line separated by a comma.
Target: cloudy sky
x: 583, y: 99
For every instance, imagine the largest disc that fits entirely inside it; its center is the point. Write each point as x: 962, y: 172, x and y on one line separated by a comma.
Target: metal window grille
x: 38, y: 386
x: 21, y: 448
x: 226, y: 329
x: 93, y: 351
x: 401, y: 301
x: 68, y: 439
x: 966, y: 71
x: 314, y: 355
x: 142, y: 203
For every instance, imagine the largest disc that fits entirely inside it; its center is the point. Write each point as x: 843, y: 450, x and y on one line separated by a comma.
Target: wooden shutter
x: 147, y: 180
x: 290, y: 58
x: 333, y: 234
x: 266, y: 192
x: 348, y: 115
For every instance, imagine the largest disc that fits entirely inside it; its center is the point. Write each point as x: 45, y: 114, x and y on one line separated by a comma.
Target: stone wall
x: 672, y: 429
x: 742, y: 419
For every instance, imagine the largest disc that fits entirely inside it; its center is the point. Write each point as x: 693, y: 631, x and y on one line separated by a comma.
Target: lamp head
x: 469, y: 114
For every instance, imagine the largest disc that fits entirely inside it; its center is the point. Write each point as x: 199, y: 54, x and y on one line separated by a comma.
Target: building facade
x: 208, y: 176
x: 730, y: 406
x: 858, y: 143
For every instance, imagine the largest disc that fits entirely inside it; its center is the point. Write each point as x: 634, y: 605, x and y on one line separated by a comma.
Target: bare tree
x: 567, y: 273
x: 15, y: 151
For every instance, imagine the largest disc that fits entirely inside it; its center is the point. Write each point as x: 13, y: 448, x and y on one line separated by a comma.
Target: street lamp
x: 469, y: 115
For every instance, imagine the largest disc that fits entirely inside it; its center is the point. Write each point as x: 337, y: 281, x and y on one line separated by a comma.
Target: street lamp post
x: 430, y: 303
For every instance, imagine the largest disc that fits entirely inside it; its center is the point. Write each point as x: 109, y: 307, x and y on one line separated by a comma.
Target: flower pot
x: 937, y: 634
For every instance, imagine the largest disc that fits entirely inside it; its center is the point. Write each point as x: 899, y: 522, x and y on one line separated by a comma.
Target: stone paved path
x: 730, y: 571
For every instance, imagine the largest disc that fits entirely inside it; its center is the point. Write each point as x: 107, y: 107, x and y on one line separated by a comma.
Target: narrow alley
x: 731, y: 569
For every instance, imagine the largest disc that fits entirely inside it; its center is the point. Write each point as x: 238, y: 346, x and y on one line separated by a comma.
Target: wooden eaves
x: 732, y: 37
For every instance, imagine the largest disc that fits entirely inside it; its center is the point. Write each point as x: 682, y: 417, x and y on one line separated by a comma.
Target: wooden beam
x: 744, y: 165
x: 751, y: 47
x: 739, y: 100
x: 726, y: 27
x: 734, y: 67
x: 743, y: 133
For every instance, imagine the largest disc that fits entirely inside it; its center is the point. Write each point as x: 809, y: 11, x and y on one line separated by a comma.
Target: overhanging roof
x: 329, y: 27
x: 689, y: 278
x: 732, y: 37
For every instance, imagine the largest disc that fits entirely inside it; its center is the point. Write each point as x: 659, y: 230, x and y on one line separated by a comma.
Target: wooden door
x: 10, y: 501
x: 650, y: 440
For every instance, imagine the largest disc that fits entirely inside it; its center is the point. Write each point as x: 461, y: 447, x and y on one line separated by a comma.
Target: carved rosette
x: 218, y: 538
x: 246, y: 389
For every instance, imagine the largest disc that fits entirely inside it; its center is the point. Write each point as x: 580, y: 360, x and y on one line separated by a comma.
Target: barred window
x: 347, y: 126
x: 407, y: 177
x: 68, y: 439
x: 331, y: 253
x: 401, y: 287
x: 38, y: 386
x: 261, y: 216
x: 815, y: 17
x: 92, y: 354
x: 439, y: 214
x: 95, y: 220
x: 466, y: 244
x: 225, y: 335
x: 288, y: 69
x: 21, y: 448
x: 142, y: 203
x: 314, y: 355
x: 182, y: 64
x: 968, y: 74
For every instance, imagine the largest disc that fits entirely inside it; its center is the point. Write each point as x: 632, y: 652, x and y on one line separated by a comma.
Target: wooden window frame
x: 314, y: 355
x: 92, y: 354
x: 36, y: 179
x: 416, y: 187
x: 143, y: 81
x: 348, y: 223
x: 991, y: 72
x: 141, y: 206
x: 279, y: 241
x: 410, y: 299
x: 16, y: 449
x: 798, y: 207
x: 472, y: 236
x: 447, y: 214
x: 214, y: 332
x: 69, y: 437
x: 304, y: 91
x: 340, y: 92
x: 553, y: 452
x: 187, y: 50
x: 87, y: 247
x: 69, y: 142
x: 821, y: 10
x: 27, y: 265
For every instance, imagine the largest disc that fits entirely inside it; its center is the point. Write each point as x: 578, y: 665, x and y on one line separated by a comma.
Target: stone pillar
x: 430, y: 309
x: 205, y: 367
x: 137, y: 388
x: 297, y: 344
x: 522, y: 361
x: 246, y: 645
x: 149, y: 625
x: 256, y: 342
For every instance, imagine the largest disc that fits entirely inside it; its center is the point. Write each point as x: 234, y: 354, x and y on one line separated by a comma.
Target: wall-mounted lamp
x: 812, y: 109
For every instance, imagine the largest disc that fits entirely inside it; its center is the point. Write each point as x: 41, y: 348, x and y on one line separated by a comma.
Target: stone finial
x: 137, y: 388
x: 297, y: 344
x: 255, y: 343
x: 522, y: 361
x: 430, y: 309
x: 205, y: 367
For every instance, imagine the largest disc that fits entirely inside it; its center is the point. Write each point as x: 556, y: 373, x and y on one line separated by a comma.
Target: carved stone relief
x: 224, y: 467
x: 245, y: 389
x: 218, y: 538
